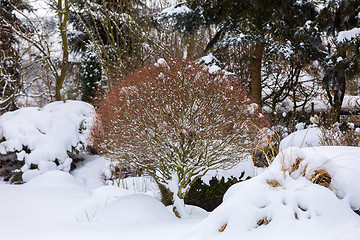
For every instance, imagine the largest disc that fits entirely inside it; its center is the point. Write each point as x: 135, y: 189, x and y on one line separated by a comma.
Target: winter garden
x: 179, y: 120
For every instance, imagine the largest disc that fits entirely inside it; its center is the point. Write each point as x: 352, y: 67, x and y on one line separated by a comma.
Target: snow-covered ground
x: 282, y: 202
x: 58, y: 205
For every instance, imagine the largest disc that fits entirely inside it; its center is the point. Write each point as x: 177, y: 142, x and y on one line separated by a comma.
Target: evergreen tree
x: 342, y: 61
x: 91, y: 77
x: 111, y: 30
x: 256, y: 22
x: 10, y: 76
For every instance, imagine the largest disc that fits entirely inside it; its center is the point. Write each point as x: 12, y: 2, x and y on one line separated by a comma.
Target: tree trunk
x: 63, y: 14
x: 336, y: 93
x: 338, y: 98
x: 256, y: 62
x: 179, y: 207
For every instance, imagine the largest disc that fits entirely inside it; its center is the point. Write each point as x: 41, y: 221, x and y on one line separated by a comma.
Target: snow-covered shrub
x: 175, y: 121
x: 41, y: 138
x: 337, y: 135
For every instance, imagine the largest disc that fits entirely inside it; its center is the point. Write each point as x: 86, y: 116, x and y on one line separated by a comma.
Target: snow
x: 210, y: 58
x: 90, y: 172
x: 42, y: 136
x: 214, y: 69
x: 43, y: 204
x: 308, y: 211
x: 175, y: 10
x: 348, y: 35
x: 134, y: 209
x: 245, y: 167
x: 212, y: 62
x: 309, y: 137
x: 279, y: 203
x: 57, y: 205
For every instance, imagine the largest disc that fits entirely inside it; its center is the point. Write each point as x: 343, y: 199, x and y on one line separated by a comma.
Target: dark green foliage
x: 166, y: 195
x: 91, y: 73
x: 209, y: 196
x: 341, y: 63
x: 357, y: 211
x: 57, y: 162
x: 17, y: 177
x: 9, y: 168
x: 33, y: 166
x: 110, y: 36
x: 94, y: 15
x: 255, y: 19
x: 256, y: 23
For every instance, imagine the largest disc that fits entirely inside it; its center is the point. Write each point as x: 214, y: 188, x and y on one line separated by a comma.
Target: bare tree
x: 39, y: 47
x: 175, y: 121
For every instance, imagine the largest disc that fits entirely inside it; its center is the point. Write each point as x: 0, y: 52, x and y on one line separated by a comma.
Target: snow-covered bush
x: 176, y: 121
x: 336, y: 135
x: 42, y: 137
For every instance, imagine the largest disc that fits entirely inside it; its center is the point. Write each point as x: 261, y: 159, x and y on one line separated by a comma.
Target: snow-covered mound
x: 136, y: 208
x: 342, y: 163
x: 90, y: 172
x: 41, y: 137
x: 283, y: 203
x: 309, y: 137
x: 44, y: 203
x: 55, y: 179
x: 101, y: 198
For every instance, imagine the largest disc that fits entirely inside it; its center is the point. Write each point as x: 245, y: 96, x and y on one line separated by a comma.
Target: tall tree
x: 253, y: 21
x: 37, y: 38
x: 62, y: 8
x: 339, y: 20
x: 114, y: 32
x: 10, y: 77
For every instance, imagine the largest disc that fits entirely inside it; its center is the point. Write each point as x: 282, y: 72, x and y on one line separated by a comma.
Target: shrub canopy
x: 175, y: 121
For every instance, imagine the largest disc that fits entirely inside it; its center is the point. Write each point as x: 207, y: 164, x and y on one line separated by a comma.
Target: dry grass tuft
x: 321, y: 177
x: 303, y: 170
x: 223, y: 227
x: 273, y: 183
x: 263, y: 221
x: 177, y: 214
x: 266, y: 150
x: 296, y: 165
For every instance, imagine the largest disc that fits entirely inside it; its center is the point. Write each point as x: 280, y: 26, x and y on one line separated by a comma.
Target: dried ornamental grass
x: 296, y: 165
x: 321, y: 177
x: 263, y: 221
x: 223, y: 227
x: 273, y: 183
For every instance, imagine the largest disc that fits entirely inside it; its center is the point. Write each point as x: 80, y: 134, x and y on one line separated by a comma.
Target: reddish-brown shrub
x: 175, y: 121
